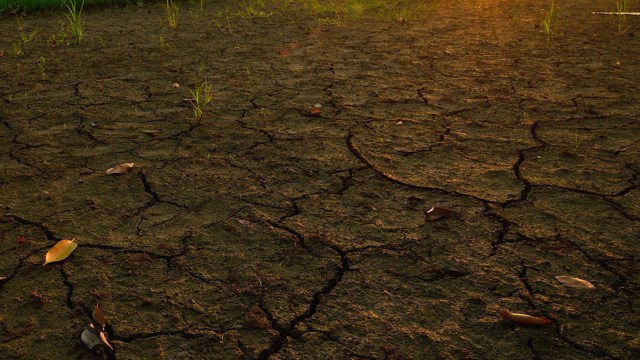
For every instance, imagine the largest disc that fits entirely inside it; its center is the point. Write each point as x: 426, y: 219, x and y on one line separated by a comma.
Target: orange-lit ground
x: 266, y: 230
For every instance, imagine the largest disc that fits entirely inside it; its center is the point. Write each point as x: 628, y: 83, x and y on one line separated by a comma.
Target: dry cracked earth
x: 261, y: 232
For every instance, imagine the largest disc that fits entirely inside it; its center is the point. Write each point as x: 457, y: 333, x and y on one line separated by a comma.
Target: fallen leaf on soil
x: 436, y: 213
x: 574, y: 282
x: 316, y: 110
x: 21, y: 240
x: 60, y: 251
x: 524, y: 319
x: 120, y: 169
x: 105, y: 342
x: 98, y: 316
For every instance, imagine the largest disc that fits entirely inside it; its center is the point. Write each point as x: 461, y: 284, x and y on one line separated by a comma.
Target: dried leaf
x: 524, y: 319
x: 120, y: 169
x: 60, y: 251
x: 436, y: 213
x: 98, y: 316
x: 151, y: 133
x: 575, y: 282
x: 105, y: 342
x: 316, y: 110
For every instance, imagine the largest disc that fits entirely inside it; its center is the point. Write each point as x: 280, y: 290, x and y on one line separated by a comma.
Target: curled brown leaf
x: 120, y: 169
x: 436, y: 213
x: 98, y: 316
x: 524, y: 319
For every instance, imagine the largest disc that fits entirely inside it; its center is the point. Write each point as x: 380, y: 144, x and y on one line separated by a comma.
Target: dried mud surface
x: 261, y: 232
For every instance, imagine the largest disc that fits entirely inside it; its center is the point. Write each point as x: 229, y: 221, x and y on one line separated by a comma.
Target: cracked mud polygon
x: 261, y: 232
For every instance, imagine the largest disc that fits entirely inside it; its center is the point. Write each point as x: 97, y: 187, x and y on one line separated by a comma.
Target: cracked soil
x: 261, y: 232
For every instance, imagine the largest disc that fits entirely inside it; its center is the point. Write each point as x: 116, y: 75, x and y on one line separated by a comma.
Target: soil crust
x: 265, y: 231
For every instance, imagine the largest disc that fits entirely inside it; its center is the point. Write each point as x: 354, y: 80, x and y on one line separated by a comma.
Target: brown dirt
x: 262, y: 232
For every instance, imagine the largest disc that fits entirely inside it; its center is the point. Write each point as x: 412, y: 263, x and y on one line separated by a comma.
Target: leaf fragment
x: 120, y: 169
x: 436, y: 213
x: 151, y: 133
x: 99, y: 317
x: 574, y: 282
x: 60, y: 251
x: 524, y: 319
x: 316, y: 110
x: 105, y: 341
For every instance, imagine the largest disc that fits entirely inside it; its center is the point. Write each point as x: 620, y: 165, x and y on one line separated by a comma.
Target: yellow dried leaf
x: 60, y: 251
x: 120, y: 169
x: 574, y: 282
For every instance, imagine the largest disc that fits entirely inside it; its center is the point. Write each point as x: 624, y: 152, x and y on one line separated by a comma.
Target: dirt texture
x: 262, y: 232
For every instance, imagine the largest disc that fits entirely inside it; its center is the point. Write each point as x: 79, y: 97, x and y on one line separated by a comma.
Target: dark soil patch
x: 263, y: 232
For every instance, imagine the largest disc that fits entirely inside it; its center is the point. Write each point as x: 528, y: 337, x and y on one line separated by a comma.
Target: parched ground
x: 262, y: 232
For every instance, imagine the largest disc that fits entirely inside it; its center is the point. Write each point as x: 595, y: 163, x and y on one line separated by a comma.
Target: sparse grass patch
x: 623, y: 23
x: 17, y: 49
x: 202, y: 94
x: 548, y: 20
x: 172, y: 13
x: 61, y: 37
x: 164, y: 45
x: 254, y: 9
x: 336, y: 11
x: 74, y: 17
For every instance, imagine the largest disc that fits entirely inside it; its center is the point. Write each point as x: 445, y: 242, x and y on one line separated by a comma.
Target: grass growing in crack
x: 74, y: 17
x: 202, y: 94
x: 548, y: 20
x: 172, y: 13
